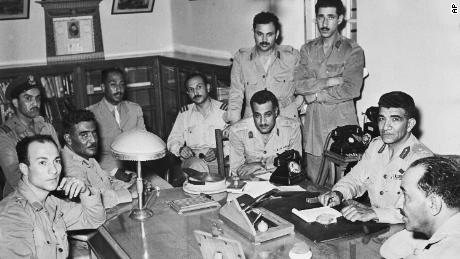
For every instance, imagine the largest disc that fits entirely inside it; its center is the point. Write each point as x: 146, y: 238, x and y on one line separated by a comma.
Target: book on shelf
x: 57, y: 85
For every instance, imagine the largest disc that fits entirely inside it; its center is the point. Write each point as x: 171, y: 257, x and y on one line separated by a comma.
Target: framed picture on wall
x: 132, y: 6
x: 14, y: 9
x: 73, y: 35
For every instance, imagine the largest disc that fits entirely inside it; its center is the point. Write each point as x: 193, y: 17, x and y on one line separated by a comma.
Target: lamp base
x: 141, y: 214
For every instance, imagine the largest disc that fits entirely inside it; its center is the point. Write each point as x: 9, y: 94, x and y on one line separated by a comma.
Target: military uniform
x: 31, y: 229
x: 334, y: 105
x: 196, y: 131
x: 248, y: 76
x: 381, y: 176
x: 88, y: 170
x: 11, y: 132
x: 247, y: 143
x: 131, y: 117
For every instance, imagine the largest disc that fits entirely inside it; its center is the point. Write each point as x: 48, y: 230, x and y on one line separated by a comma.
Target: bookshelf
x: 156, y: 83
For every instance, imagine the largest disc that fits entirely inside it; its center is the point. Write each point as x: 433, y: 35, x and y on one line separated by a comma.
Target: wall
x: 415, y: 48
x: 23, y: 41
x: 221, y: 27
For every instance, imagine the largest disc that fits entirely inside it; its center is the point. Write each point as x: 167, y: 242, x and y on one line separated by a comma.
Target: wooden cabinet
x: 156, y: 83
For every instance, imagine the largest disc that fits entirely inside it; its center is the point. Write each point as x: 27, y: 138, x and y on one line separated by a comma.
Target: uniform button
x: 398, y: 192
x: 385, y: 176
x: 265, y: 152
x: 60, y: 250
x: 381, y: 192
x: 263, y: 76
x: 48, y: 242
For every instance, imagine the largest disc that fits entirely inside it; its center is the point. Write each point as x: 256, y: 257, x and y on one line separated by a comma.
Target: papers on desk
x: 257, y: 188
x: 310, y: 215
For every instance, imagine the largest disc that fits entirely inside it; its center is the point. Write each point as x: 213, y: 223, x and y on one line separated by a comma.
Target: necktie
x: 117, y: 115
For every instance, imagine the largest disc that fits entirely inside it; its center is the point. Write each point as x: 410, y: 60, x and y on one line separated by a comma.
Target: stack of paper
x: 310, y: 215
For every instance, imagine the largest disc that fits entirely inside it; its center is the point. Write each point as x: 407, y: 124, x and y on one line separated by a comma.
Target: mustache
x: 324, y: 29
x: 264, y: 43
x: 197, y: 96
x: 263, y: 125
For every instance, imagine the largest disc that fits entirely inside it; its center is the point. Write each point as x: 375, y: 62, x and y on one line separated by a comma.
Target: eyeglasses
x: 329, y: 18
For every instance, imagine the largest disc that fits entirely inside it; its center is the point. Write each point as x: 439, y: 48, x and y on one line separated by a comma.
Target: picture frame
x: 14, y: 9
x: 132, y: 6
x: 73, y: 35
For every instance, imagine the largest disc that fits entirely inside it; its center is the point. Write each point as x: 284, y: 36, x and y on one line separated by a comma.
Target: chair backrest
x: 220, y: 156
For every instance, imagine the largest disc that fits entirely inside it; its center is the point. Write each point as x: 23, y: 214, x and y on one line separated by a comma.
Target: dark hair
x: 441, y: 177
x: 105, y: 73
x: 73, y: 118
x: 330, y: 3
x: 264, y: 96
x: 265, y: 18
x: 398, y: 99
x: 196, y: 74
x: 22, y: 148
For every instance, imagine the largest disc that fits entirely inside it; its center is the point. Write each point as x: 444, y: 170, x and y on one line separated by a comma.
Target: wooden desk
x: 170, y: 235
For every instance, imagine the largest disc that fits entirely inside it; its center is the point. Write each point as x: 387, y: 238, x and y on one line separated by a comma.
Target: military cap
x: 20, y: 85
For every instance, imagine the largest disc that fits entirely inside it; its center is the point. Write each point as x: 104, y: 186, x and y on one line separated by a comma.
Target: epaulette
x: 223, y: 107
x: 21, y: 201
x: 420, y: 148
x: 183, y: 108
x: 5, y: 129
x: 288, y: 122
x: 382, y: 148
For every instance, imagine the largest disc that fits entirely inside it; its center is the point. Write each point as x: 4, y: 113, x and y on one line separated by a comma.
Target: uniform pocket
x: 334, y: 70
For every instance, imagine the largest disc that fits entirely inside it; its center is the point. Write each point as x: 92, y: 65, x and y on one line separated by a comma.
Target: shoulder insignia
x: 277, y: 131
x: 382, y: 148
x: 401, y: 171
x: 250, y: 134
x: 420, y: 148
x: 223, y: 107
x: 184, y: 108
x: 338, y: 43
x: 278, y: 54
x: 404, y: 153
x: 5, y: 129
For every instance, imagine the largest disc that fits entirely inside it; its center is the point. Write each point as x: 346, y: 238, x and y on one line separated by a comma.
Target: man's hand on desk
x: 210, y: 155
x: 185, y: 152
x: 356, y: 211
x: 251, y: 168
x: 331, y: 199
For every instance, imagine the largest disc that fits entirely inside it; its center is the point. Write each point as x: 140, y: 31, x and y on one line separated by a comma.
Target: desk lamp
x: 139, y: 145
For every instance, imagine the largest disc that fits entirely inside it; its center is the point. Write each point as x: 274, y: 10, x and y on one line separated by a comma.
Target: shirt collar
x: 110, y: 106
x: 450, y: 227
x: 29, y: 195
x: 75, y: 157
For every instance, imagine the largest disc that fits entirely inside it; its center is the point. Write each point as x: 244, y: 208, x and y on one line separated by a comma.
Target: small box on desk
x: 243, y: 218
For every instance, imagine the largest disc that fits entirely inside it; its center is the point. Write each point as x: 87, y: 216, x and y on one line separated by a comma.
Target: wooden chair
x: 338, y: 163
x: 222, y: 163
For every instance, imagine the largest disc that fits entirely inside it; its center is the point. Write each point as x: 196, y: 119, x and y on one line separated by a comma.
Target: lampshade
x: 138, y: 145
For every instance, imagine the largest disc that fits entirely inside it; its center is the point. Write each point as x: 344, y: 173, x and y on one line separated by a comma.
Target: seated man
x: 431, y: 188
x: 256, y: 141
x: 381, y: 168
x: 114, y: 116
x: 33, y: 222
x: 25, y: 95
x: 81, y: 145
x: 192, y: 137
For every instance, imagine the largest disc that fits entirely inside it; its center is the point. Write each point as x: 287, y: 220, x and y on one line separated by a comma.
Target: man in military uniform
x: 267, y: 65
x: 25, y: 95
x: 114, y: 116
x: 329, y: 77
x: 383, y: 164
x: 431, y: 206
x: 33, y: 222
x: 81, y: 145
x: 256, y: 141
x: 192, y: 137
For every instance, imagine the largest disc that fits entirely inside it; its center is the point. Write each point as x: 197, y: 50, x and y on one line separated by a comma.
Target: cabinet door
x: 170, y: 98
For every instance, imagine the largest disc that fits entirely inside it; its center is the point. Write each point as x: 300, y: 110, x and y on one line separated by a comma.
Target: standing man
x: 383, y: 164
x: 114, y: 116
x: 193, y: 133
x: 255, y: 142
x: 81, y: 145
x: 330, y: 77
x: 25, y: 95
x: 267, y: 65
x: 33, y: 222
x: 431, y: 188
